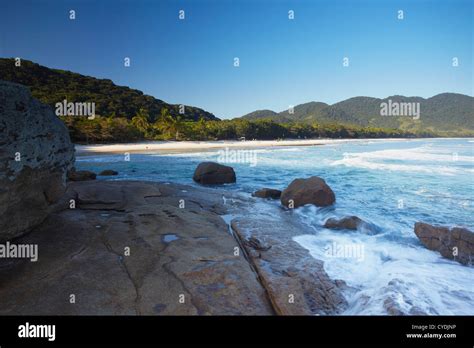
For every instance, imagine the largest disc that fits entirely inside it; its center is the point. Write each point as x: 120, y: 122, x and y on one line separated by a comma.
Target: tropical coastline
x: 212, y: 168
x: 190, y: 172
x: 291, y: 227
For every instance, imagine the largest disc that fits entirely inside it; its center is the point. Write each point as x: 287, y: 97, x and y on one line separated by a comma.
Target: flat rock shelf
x: 83, y: 252
x: 112, y: 255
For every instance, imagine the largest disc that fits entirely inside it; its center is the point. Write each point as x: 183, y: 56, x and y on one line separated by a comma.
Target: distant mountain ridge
x: 261, y: 114
x: 442, y: 112
x: 53, y: 85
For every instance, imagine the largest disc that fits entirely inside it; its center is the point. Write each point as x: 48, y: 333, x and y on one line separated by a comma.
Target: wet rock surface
x: 313, y: 190
x: 347, y: 223
x: 267, y: 193
x: 296, y: 283
x: 453, y: 243
x: 396, y: 302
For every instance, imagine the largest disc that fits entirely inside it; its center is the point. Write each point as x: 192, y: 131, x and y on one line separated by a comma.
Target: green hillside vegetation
x: 52, y: 86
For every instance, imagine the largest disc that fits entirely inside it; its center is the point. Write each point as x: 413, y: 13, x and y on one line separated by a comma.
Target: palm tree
x: 169, y: 125
x: 201, y: 128
x: 140, y: 121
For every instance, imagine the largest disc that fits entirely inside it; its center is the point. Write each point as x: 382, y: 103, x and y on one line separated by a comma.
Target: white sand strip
x: 185, y: 146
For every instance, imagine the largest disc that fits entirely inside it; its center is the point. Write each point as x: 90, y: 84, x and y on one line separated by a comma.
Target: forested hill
x: 52, y: 85
x: 446, y: 112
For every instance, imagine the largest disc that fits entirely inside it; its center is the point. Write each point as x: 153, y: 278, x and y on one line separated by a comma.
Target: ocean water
x: 391, y: 184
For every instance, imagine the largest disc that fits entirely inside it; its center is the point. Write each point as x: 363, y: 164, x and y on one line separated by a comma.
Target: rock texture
x: 295, y: 282
x: 211, y: 173
x: 181, y: 261
x: 267, y: 193
x: 35, y: 155
x: 80, y: 175
x: 453, y: 243
x: 347, y: 223
x: 313, y: 190
x: 108, y: 172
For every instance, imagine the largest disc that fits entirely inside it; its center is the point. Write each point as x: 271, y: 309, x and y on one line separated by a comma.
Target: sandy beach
x: 185, y: 146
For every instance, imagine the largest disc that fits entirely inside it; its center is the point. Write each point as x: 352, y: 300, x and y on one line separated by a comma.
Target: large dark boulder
x: 35, y: 155
x: 267, y: 193
x: 313, y: 190
x: 211, y: 173
x: 453, y: 243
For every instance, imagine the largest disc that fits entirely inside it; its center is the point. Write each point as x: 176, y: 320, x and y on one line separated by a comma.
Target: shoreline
x: 190, y: 146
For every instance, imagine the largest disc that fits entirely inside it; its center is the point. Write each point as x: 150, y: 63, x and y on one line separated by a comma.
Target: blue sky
x: 282, y: 62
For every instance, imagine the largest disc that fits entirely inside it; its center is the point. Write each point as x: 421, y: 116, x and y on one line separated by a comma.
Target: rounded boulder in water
x: 313, y: 190
x: 108, y: 172
x: 267, y: 193
x: 212, y: 173
x: 346, y: 223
